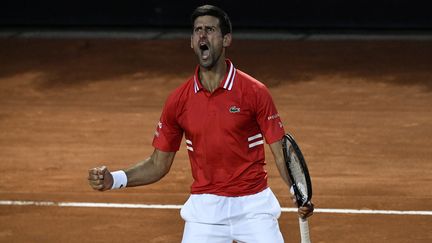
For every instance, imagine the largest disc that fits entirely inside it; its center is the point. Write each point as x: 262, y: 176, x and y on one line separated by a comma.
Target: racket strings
x: 298, y: 176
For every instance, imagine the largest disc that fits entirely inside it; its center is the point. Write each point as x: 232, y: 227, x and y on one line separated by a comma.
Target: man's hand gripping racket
x: 301, y: 183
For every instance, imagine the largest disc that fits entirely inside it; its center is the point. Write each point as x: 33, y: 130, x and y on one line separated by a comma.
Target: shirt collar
x: 227, y: 83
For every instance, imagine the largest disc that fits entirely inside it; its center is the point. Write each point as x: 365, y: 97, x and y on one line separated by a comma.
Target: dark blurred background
x: 290, y: 14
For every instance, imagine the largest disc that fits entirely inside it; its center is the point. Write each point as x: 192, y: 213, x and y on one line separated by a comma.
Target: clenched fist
x: 100, y: 178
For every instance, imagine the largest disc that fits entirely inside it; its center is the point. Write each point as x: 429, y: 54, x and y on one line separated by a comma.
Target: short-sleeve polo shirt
x: 224, y: 132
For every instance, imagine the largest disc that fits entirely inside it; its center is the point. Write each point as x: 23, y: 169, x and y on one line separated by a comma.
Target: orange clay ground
x: 360, y: 110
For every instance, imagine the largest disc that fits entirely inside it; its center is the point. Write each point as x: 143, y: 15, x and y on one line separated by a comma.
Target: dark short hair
x: 224, y: 21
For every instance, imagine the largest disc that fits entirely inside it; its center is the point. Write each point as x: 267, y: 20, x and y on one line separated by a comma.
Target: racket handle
x: 304, y: 230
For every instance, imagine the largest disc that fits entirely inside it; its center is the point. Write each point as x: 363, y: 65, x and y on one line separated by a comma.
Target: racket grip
x: 304, y: 230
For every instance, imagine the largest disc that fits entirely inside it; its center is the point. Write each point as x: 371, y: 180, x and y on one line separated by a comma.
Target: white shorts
x: 218, y: 219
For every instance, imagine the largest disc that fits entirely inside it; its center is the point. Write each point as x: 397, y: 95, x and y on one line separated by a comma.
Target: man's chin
x: 207, y: 63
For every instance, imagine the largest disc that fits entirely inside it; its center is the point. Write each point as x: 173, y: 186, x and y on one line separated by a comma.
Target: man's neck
x: 212, y: 77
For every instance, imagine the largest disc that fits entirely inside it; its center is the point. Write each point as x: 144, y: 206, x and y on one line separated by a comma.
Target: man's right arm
x: 144, y: 172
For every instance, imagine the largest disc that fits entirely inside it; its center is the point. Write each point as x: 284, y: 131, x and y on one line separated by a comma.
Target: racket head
x: 297, y: 170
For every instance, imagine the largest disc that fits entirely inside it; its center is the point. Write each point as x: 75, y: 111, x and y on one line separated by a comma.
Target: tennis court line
x: 171, y: 206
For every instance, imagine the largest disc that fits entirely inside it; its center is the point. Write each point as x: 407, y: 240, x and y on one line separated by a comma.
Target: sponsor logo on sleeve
x: 159, y: 126
x: 272, y: 117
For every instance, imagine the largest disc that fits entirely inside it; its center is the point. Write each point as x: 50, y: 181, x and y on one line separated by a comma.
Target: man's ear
x: 191, y: 45
x: 227, y: 39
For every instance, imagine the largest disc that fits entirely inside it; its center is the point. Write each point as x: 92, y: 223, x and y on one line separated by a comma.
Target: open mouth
x: 203, y: 47
x: 205, y: 51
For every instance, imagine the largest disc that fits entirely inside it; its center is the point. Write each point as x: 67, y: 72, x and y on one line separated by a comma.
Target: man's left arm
x: 277, y: 151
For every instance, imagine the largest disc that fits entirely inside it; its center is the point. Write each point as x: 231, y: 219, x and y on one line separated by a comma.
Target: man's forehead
x: 206, y: 20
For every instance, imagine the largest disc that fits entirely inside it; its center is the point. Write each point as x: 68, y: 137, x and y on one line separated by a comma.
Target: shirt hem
x: 234, y: 194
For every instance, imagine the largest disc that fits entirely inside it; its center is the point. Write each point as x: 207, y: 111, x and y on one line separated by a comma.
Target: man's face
x: 207, y: 40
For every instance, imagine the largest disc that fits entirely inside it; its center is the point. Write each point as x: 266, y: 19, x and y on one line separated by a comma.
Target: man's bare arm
x: 145, y: 172
x: 277, y: 151
x: 150, y: 170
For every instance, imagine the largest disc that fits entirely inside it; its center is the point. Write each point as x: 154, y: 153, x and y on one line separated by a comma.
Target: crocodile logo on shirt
x: 234, y: 109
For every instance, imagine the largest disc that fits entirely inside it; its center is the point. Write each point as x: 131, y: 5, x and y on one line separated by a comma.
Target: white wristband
x: 119, y: 179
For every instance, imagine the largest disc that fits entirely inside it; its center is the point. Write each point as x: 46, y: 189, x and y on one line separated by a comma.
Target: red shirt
x: 224, y: 132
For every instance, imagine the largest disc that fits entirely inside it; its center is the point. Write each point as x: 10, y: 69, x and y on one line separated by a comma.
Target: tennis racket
x: 300, y: 179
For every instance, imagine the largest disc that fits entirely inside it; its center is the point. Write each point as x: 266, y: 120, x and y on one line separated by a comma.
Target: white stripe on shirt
x: 227, y: 81
x: 259, y: 135
x: 196, y: 87
x: 232, y: 79
x: 256, y: 143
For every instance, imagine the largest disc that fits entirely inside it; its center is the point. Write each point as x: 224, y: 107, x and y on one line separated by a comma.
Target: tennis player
x: 226, y: 116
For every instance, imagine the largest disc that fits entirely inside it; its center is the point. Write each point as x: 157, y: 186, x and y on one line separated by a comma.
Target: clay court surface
x: 361, y: 111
